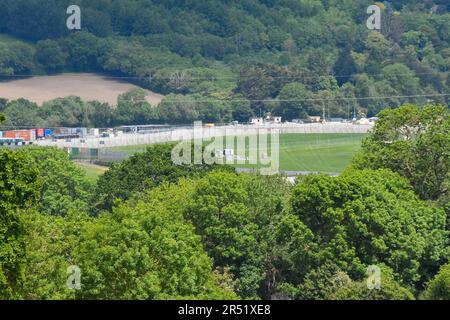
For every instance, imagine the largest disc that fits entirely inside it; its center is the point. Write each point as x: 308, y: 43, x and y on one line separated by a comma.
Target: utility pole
x: 238, y: 41
x: 323, y: 110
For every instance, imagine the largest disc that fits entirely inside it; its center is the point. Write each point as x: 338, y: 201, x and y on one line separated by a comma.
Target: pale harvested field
x: 85, y: 85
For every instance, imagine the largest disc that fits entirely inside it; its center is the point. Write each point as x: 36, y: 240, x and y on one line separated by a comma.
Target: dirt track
x: 85, y: 85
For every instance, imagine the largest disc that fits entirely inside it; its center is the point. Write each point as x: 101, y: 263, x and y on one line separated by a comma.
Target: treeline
x: 311, y: 53
x: 152, y: 230
x: 132, y: 109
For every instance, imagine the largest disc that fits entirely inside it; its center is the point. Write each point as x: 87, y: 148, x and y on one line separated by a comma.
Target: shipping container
x: 48, y: 132
x: 40, y: 133
x: 27, y: 135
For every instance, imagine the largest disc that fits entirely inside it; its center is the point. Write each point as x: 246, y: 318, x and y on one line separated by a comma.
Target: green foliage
x: 65, y: 112
x: 226, y: 50
x: 133, y: 108
x: 156, y: 235
x: 439, y: 287
x: 371, y: 217
x: 415, y: 142
x: 50, y: 241
x: 19, y: 191
x: 64, y: 185
x: 140, y: 172
x: 235, y: 215
x: 294, y: 101
x: 50, y: 54
x: 146, y: 250
x: 390, y: 289
x: 22, y: 113
x: 322, y: 282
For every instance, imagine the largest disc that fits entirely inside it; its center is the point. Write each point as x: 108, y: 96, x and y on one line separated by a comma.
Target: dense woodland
x: 149, y: 229
x: 228, y: 60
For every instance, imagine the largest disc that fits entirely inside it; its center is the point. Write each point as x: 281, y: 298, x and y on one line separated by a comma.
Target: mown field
x: 329, y: 153
x: 92, y: 171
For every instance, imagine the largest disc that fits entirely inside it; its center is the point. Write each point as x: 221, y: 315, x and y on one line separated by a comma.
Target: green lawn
x: 329, y: 153
x: 318, y: 152
x: 92, y: 171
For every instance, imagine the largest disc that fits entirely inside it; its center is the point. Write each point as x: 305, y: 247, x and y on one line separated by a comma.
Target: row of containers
x: 28, y: 136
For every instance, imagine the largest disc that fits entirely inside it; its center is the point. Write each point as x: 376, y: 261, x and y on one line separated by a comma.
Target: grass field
x: 92, y: 171
x: 329, y: 153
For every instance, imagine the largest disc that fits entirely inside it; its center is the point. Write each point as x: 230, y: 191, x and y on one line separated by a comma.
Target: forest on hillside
x: 228, y: 60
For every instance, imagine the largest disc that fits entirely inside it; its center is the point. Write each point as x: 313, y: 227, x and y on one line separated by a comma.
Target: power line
x: 212, y: 77
x: 319, y: 99
x: 310, y: 99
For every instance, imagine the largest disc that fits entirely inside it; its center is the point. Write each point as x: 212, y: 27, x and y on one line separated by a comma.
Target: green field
x: 92, y: 171
x: 329, y: 153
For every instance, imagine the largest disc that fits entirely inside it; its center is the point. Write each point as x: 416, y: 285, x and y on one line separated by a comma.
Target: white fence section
x: 174, y: 135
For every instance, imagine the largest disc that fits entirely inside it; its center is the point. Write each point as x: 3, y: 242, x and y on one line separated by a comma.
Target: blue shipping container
x: 48, y: 133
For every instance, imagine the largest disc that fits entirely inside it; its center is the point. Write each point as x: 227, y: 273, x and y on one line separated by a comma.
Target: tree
x: 415, y: 142
x: 64, y: 185
x: 321, y: 282
x: 146, y: 250
x: 22, y: 113
x: 5, y: 60
x: 372, y: 217
x: 22, y: 58
x: 345, y: 66
x: 101, y: 114
x: 50, y: 54
x: 35, y: 19
x: 97, y: 22
x: 140, y: 172
x: 19, y: 187
x: 50, y: 242
x: 294, y: 101
x: 401, y: 78
x: 133, y: 108
x: 220, y: 214
x: 236, y: 216
x: 65, y: 112
x: 84, y: 50
x: 242, y: 112
x: 439, y: 287
x: 175, y: 109
x: 256, y: 84
x: 390, y: 289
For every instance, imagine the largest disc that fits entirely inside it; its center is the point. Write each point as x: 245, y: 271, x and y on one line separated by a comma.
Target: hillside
x: 305, y: 54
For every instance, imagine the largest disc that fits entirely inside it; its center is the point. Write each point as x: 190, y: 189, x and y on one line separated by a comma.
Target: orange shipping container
x: 27, y: 135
